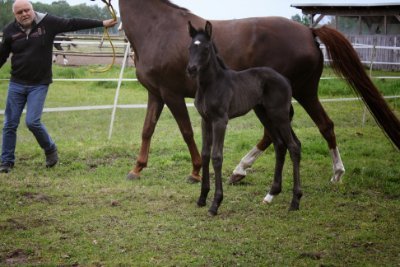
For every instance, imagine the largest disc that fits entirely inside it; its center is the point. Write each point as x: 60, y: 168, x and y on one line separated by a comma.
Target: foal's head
x: 201, y: 49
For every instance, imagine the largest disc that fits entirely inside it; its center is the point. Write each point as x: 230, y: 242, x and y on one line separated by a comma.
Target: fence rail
x: 383, y: 50
x: 143, y: 106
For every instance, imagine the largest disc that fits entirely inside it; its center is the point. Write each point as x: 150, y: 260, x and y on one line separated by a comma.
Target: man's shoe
x: 6, y: 167
x: 51, y: 158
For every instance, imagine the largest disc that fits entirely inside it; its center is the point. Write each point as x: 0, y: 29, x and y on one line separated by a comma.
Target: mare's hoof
x: 235, y: 178
x: 191, y: 179
x: 337, y: 176
x: 132, y: 176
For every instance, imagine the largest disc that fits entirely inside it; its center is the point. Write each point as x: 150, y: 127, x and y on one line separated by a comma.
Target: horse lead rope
x: 106, y: 33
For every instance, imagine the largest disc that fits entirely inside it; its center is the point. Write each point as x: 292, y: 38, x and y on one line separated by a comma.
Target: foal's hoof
x: 212, y: 212
x: 295, y: 205
x: 294, y: 208
x: 201, y: 203
x: 235, y: 178
x: 268, y: 199
x: 132, y: 176
x: 192, y: 179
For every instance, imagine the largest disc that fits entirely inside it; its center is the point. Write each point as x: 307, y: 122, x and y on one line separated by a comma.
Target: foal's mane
x: 168, y: 3
x: 219, y: 59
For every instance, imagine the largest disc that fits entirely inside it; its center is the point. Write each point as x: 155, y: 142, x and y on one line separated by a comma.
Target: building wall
x: 369, y: 25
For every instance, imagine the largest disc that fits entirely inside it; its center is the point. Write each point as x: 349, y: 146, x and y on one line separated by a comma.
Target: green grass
x: 84, y: 212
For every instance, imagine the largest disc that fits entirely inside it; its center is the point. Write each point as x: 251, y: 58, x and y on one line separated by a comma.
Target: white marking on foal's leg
x: 268, y: 198
x: 247, y: 161
x: 338, y: 168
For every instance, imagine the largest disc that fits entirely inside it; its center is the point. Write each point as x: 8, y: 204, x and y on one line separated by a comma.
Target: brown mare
x: 157, y: 30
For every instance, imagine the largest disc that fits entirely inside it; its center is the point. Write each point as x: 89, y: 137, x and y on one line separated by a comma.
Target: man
x: 30, y: 40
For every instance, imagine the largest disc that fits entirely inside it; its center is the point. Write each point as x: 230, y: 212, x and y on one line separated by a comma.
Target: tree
x: 6, y: 16
x: 303, y: 19
x: 59, y: 8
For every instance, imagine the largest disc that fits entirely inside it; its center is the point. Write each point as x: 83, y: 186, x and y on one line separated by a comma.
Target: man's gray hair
x: 13, y: 5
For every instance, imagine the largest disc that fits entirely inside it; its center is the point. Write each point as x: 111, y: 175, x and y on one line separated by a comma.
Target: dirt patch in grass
x: 16, y: 257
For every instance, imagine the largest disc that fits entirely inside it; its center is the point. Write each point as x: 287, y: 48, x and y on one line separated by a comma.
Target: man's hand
x: 109, y: 23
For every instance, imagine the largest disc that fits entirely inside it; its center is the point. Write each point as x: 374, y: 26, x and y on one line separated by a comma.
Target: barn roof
x: 351, y: 9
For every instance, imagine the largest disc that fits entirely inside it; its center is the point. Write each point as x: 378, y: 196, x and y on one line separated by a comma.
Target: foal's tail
x: 346, y: 63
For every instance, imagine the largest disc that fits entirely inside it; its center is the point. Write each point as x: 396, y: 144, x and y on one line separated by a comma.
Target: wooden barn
x: 373, y: 28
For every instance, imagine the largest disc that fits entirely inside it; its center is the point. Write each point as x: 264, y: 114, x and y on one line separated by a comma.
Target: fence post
x: 121, y: 74
x: 373, y: 56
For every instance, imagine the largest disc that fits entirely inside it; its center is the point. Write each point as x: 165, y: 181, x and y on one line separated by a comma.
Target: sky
x: 216, y: 9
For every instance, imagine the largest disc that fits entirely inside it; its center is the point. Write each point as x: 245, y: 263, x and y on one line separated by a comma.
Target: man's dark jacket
x: 32, y: 53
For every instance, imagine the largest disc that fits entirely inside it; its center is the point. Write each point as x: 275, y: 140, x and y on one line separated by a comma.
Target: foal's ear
x: 208, y: 28
x: 191, y: 29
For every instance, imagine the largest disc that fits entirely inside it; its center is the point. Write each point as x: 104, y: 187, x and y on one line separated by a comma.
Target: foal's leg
x: 205, y: 154
x: 276, y: 187
x: 280, y: 152
x: 219, y: 129
x: 294, y: 147
x: 286, y: 140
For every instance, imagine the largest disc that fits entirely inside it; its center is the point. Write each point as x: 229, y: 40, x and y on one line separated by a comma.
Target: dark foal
x: 223, y: 94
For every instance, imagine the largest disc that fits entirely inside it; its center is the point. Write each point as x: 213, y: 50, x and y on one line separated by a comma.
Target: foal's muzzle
x: 191, y: 71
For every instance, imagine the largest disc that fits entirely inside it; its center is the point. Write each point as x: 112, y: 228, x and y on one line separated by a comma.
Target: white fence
x: 385, y: 48
x: 371, y: 55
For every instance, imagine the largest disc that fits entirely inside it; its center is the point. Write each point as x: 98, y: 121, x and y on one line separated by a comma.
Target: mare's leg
x: 219, y: 129
x: 248, y: 160
x: 58, y: 47
x: 326, y: 128
x: 205, y: 154
x: 65, y: 60
x: 154, y: 107
x: 179, y: 110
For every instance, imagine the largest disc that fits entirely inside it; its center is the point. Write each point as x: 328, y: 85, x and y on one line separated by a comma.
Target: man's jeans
x: 18, y: 96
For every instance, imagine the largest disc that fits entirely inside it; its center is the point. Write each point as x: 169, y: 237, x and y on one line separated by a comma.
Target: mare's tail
x: 346, y: 63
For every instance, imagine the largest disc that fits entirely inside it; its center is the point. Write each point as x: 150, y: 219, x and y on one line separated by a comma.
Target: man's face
x: 24, y: 13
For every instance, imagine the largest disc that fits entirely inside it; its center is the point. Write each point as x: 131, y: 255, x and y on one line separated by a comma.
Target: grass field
x: 84, y: 212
